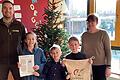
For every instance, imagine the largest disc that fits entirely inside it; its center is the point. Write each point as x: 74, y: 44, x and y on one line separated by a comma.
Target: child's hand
x: 36, y: 74
x: 91, y: 60
x: 19, y: 65
x: 68, y: 76
x: 36, y: 67
x: 63, y: 63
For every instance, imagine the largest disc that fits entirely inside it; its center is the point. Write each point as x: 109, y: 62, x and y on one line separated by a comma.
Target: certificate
x: 26, y: 65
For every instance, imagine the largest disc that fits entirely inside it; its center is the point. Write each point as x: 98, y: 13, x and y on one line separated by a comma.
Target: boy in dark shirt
x: 75, y: 54
x: 53, y: 70
x: 74, y: 46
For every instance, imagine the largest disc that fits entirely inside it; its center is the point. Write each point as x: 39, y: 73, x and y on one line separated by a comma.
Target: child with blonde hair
x: 30, y: 48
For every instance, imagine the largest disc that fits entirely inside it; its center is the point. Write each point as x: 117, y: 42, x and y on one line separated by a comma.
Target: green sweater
x: 98, y: 45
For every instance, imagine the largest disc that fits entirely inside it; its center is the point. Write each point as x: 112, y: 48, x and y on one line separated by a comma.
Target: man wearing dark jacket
x: 11, y: 35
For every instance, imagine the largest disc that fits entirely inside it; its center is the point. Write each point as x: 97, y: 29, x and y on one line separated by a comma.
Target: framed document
x: 26, y: 65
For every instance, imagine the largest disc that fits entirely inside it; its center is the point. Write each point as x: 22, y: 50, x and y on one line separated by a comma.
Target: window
x: 106, y: 9
x: 75, y: 22
x: 115, y: 61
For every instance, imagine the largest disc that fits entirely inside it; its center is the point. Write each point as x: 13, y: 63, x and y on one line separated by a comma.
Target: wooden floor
x: 113, y: 79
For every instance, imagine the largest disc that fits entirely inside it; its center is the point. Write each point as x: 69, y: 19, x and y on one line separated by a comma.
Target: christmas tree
x: 49, y: 31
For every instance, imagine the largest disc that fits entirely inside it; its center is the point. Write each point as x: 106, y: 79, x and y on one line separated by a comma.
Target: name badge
x: 15, y: 30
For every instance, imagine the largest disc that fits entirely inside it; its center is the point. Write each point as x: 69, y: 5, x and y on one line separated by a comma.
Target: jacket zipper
x: 9, y: 45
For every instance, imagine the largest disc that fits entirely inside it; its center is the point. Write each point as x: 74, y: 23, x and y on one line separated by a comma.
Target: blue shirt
x: 39, y: 59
